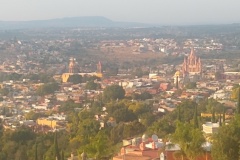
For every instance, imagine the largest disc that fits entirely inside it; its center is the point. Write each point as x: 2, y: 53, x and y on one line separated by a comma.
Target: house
x: 210, y: 128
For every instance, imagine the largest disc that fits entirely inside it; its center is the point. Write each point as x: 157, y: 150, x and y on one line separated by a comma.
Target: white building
x: 210, y: 128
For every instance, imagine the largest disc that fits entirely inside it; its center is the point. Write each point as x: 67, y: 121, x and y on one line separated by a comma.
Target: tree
x: 187, y: 110
x: 178, y: 114
x: 9, y: 149
x: 191, y: 85
x: 226, y: 141
x: 4, y: 91
x: 124, y: 115
x: 162, y: 127
x: 218, y: 75
x: 238, y: 102
x: 98, y: 147
x: 145, y: 95
x: 189, y: 139
x: 43, y: 78
x: 213, y: 104
x: 177, y: 82
x: 179, y: 154
x: 195, y: 118
x: 75, y: 78
x: 56, y: 150
x: 87, y: 128
x: 213, y: 116
x: 138, y: 72
x: 113, y: 92
x: 112, y: 71
x: 14, y: 76
x: 36, y: 152
x: 87, y: 78
x: 21, y: 153
x: 235, y: 93
x: 33, y: 115
x: 47, y: 88
x: 223, y: 119
x: 22, y: 135
x: 147, y: 119
x: 220, y: 120
x: 139, y: 108
x: 62, y: 155
x: 68, y: 106
x: 116, y: 133
x: 91, y: 85
x: 132, y: 129
x: 42, y: 146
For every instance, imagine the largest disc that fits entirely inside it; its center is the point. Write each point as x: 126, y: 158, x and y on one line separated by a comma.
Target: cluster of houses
x: 167, y: 46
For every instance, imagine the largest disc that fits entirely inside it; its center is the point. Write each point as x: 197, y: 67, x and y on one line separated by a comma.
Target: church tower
x: 72, y: 66
x: 99, y: 70
x: 99, y: 67
x: 192, y: 64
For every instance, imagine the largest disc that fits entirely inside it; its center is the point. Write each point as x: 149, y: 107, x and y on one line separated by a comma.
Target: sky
x: 164, y: 12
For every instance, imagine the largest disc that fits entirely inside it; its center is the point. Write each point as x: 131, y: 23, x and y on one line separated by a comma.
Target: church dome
x: 178, y: 74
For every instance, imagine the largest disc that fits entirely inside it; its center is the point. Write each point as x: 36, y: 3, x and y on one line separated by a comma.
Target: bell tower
x: 72, y: 66
x: 99, y: 70
x: 192, y: 64
x: 99, y: 67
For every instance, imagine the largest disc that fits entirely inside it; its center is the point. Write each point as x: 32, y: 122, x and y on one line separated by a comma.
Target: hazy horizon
x: 170, y: 12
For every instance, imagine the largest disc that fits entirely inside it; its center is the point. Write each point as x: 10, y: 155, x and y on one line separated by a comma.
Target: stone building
x: 192, y: 64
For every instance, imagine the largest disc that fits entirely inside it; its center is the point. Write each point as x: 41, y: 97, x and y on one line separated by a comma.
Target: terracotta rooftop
x: 131, y: 157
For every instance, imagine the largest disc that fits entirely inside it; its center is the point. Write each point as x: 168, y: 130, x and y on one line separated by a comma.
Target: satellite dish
x: 154, y: 138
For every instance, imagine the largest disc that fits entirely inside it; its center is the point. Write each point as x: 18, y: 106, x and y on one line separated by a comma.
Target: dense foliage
x: 48, y: 88
x: 91, y: 85
x: 226, y: 142
x: 113, y: 92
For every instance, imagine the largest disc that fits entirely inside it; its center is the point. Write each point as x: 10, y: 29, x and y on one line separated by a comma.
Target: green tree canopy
x: 190, y: 140
x: 187, y: 109
x: 75, y: 79
x: 191, y: 85
x: 43, y: 78
x: 124, y: 115
x: 87, y: 78
x: 112, y: 70
x: 143, y: 96
x: 68, y: 106
x: 23, y: 135
x: 113, y: 92
x: 91, y: 85
x: 4, y: 91
x: 226, y: 141
x: 56, y: 148
x: 33, y: 115
x: 47, y: 88
x: 162, y: 127
x: 214, y: 104
x: 98, y: 147
x: 138, y: 72
x: 133, y: 129
x: 234, y: 94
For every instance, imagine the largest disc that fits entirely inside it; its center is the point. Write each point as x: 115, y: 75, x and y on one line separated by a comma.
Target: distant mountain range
x: 94, y: 21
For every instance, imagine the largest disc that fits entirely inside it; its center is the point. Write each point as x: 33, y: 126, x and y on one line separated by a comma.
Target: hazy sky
x: 147, y: 11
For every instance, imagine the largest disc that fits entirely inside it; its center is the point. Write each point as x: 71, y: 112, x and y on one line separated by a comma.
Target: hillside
x: 91, y: 21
